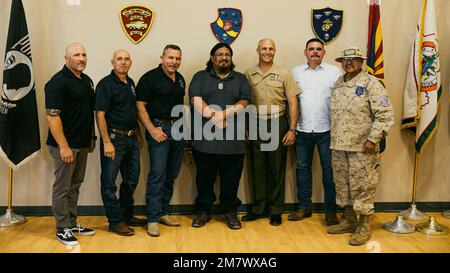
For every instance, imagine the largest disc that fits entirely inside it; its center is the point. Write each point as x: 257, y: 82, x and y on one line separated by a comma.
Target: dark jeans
x: 66, y: 189
x: 126, y: 160
x: 165, y: 164
x: 304, y: 144
x: 229, y: 168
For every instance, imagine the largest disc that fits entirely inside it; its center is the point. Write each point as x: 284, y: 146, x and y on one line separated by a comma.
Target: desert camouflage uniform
x: 360, y: 111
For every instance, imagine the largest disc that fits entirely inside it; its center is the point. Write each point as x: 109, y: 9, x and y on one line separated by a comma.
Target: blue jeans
x: 126, y: 160
x: 304, y: 146
x: 165, y: 164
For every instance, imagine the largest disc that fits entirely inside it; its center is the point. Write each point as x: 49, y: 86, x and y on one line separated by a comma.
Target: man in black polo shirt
x: 157, y: 93
x: 115, y: 106
x: 230, y: 93
x: 69, y: 100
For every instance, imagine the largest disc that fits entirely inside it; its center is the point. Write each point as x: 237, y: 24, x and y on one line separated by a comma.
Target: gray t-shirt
x: 222, y: 93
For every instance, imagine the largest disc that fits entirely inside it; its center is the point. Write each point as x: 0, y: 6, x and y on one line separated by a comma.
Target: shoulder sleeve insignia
x: 359, y: 90
x: 385, y: 101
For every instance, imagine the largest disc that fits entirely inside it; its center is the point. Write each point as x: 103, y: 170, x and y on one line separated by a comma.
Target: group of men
x: 345, y: 116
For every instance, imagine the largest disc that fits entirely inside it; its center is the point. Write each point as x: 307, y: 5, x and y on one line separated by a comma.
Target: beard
x: 225, y: 68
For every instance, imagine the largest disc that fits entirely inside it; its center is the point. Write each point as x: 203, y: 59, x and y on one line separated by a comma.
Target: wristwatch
x: 293, y: 130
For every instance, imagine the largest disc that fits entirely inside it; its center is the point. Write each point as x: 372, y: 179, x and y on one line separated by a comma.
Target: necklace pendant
x: 220, y: 86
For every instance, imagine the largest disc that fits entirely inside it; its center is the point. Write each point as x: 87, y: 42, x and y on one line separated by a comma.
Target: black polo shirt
x: 118, y: 100
x: 74, y: 97
x: 160, y: 92
x: 221, y: 92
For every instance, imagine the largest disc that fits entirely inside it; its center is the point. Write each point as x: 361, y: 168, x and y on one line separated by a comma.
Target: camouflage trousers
x: 356, y: 178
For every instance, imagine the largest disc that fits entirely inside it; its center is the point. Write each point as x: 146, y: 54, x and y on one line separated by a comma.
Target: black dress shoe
x: 232, y: 221
x: 249, y: 217
x: 275, y: 220
x: 201, y: 219
x: 252, y: 217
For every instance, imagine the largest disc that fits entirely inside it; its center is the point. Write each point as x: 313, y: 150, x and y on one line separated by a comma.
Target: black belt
x: 123, y: 132
x: 165, y: 121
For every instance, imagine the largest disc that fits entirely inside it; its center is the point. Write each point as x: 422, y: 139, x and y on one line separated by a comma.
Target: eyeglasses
x: 226, y: 55
x: 349, y: 59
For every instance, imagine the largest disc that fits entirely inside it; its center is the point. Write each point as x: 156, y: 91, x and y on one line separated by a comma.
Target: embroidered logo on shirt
x: 181, y: 82
x: 359, y: 91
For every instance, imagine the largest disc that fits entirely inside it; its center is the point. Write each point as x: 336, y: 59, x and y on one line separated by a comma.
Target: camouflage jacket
x: 360, y: 110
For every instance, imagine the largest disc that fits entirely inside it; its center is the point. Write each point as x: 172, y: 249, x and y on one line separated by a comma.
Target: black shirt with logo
x: 160, y: 92
x: 118, y: 100
x: 74, y: 97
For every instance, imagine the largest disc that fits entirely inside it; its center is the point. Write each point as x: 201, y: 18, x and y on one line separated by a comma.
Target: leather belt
x: 123, y: 132
x: 165, y: 121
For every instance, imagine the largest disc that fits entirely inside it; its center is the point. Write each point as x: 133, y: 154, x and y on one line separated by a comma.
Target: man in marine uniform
x: 274, y: 87
x: 361, y: 114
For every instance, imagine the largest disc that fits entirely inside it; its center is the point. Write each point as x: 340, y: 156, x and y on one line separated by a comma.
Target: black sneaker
x: 79, y: 230
x: 66, y: 237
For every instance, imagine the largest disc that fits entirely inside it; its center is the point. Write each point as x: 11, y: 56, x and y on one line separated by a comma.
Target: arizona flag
x: 423, y: 83
x: 19, y: 127
x: 375, y: 59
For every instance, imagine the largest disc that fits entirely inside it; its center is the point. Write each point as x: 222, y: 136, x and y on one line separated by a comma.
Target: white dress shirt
x: 314, y: 101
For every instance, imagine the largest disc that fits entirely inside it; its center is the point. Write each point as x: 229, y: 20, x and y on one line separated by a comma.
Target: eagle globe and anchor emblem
x: 327, y: 23
x: 228, y: 25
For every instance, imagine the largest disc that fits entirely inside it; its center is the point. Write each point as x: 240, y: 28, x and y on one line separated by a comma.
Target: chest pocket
x: 275, y: 84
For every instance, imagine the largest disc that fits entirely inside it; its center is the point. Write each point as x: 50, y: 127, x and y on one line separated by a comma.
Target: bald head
x: 73, y: 47
x: 76, y: 58
x: 266, y: 51
x: 266, y: 41
x: 120, y: 52
x: 121, y: 62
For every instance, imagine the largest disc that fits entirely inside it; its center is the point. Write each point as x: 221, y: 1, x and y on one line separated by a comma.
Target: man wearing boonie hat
x: 361, y: 114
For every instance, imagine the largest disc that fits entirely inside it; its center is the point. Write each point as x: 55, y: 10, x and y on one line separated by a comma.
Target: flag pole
x: 10, y: 219
x: 413, y: 213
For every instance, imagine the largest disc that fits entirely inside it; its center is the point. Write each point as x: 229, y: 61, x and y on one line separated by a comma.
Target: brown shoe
x: 136, y: 222
x: 153, y: 229
x: 363, y: 232
x: 331, y: 218
x: 121, y: 229
x: 299, y: 214
x: 166, y: 220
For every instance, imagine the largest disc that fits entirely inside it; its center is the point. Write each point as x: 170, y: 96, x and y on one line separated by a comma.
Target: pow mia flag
x: 19, y: 125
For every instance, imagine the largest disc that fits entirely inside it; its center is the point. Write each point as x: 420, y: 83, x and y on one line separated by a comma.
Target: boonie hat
x: 351, y: 52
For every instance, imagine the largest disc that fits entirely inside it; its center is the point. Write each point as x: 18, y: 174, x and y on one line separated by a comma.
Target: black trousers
x: 229, y: 168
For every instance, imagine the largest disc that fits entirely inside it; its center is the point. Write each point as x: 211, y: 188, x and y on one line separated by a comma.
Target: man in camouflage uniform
x: 361, y: 114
